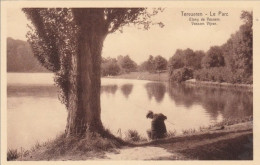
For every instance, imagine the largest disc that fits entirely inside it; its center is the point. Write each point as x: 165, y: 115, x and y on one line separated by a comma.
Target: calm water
x: 34, y: 112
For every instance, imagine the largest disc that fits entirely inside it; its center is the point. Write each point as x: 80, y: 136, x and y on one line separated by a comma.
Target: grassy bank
x: 219, y: 85
x: 227, y: 140
x: 90, y: 146
x: 93, y: 146
x: 234, y: 142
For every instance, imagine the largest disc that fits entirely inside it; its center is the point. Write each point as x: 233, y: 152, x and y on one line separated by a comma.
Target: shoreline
x: 223, y: 85
x: 164, y: 78
x: 188, y: 146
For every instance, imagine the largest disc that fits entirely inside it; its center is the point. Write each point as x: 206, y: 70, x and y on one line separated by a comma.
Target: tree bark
x: 84, y: 96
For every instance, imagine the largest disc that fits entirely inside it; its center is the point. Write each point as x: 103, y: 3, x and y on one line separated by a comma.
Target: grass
x: 77, y: 148
x: 80, y: 148
x: 171, y: 133
x: 37, y: 146
x: 73, y: 147
x: 91, y: 142
x: 188, y: 131
x: 224, y: 85
x: 133, y: 136
x: 12, y: 154
x: 218, y: 126
x: 234, y: 121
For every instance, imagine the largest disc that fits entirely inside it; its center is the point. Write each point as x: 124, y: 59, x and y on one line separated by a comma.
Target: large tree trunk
x: 84, y: 96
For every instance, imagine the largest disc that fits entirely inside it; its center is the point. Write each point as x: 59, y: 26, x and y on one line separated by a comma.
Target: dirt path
x: 140, y: 153
x: 232, y: 143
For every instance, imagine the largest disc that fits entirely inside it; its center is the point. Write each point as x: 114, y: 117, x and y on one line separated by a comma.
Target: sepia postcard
x: 134, y: 82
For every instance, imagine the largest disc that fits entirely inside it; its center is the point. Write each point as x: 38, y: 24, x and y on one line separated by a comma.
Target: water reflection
x: 38, y: 100
x: 156, y: 90
x: 181, y: 95
x: 227, y: 102
x: 111, y: 89
x: 127, y: 89
x: 31, y: 91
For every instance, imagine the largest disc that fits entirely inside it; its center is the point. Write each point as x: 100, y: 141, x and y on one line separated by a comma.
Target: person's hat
x: 149, y: 113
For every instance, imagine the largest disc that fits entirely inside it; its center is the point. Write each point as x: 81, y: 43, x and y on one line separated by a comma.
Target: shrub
x: 126, y: 64
x: 221, y: 74
x: 160, y: 63
x: 171, y: 133
x: 110, y: 68
x: 182, y: 74
x: 12, y: 154
x: 216, y: 74
x: 213, y: 58
x: 132, y: 135
x: 188, y: 131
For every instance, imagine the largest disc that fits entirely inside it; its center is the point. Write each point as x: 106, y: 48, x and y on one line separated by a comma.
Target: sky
x: 178, y: 33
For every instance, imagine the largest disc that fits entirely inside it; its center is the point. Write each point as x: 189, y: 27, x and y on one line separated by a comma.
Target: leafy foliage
x: 160, y: 63
x: 20, y: 57
x: 217, y: 74
x: 53, y: 40
x: 186, y: 58
x: 154, y: 64
x: 233, y: 61
x: 221, y: 74
x: 213, y: 58
x: 127, y: 64
x: 56, y: 34
x: 181, y: 74
x: 239, y: 48
x: 116, y: 18
x: 183, y: 63
x: 110, y: 67
x: 148, y: 65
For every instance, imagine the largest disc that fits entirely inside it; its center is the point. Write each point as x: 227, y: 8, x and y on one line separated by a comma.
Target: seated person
x: 158, y: 128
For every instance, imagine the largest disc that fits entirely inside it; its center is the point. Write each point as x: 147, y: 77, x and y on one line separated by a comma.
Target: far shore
x: 142, y: 76
x: 220, y: 85
x: 163, y: 77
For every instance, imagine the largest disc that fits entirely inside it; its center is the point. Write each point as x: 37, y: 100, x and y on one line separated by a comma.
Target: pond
x: 35, y: 114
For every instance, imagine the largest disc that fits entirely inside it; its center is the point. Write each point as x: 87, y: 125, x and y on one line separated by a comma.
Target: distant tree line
x: 124, y: 64
x: 20, y: 57
x: 183, y: 63
x: 231, y: 62
x: 116, y: 66
x: 154, y: 64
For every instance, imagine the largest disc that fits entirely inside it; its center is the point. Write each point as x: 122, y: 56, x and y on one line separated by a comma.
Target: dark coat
x: 158, y: 129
